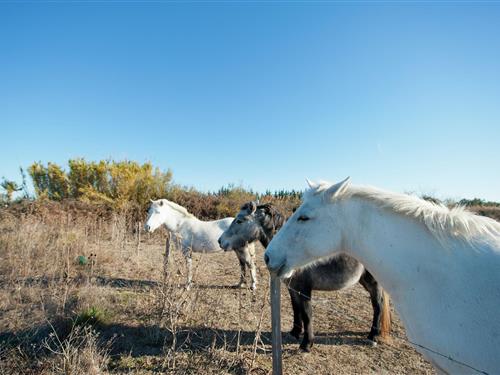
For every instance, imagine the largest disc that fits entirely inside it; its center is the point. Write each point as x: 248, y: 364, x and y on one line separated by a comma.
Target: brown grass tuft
x: 122, y: 312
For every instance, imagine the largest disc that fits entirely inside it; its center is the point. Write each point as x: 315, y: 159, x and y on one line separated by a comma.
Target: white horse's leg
x: 243, y: 273
x: 251, y: 259
x: 241, y: 259
x: 246, y: 256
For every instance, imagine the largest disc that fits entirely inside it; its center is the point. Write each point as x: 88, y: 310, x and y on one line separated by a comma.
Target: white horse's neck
x: 444, y: 294
x: 175, y: 221
x: 396, y: 249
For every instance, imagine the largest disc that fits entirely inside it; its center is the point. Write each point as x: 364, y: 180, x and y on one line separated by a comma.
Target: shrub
x: 118, y: 184
x: 80, y: 353
x: 127, y: 186
x: 10, y: 187
x: 93, y: 316
x: 477, y: 202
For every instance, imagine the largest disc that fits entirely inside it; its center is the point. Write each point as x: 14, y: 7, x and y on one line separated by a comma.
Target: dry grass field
x: 120, y: 313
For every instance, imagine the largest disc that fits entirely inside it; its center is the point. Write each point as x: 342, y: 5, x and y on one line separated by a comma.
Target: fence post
x: 166, y: 257
x: 276, y: 324
x: 139, y: 226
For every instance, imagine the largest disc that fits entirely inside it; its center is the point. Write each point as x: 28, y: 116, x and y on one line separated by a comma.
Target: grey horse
x: 260, y: 223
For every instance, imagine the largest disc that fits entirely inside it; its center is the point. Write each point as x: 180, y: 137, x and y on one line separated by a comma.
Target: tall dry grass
x: 124, y: 309
x: 113, y: 311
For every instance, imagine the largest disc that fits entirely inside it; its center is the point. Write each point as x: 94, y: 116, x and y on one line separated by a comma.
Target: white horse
x: 441, y: 266
x: 197, y: 236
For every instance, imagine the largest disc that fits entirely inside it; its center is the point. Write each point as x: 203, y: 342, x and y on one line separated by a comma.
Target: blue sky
x: 399, y: 95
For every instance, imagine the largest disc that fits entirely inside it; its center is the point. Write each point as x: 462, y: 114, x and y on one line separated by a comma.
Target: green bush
x: 10, y: 187
x: 118, y: 184
x: 93, y: 316
x: 477, y: 202
x: 127, y: 187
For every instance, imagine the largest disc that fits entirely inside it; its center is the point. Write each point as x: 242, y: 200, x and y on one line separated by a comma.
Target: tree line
x: 129, y: 186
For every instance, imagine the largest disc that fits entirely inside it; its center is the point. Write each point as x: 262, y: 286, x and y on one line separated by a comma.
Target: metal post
x: 276, y: 324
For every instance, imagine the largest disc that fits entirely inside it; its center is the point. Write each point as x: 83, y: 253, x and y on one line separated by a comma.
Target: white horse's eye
x: 302, y: 218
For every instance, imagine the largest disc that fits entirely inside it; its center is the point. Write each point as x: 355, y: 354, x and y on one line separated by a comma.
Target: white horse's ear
x: 152, y: 201
x: 337, y: 189
x: 312, y: 185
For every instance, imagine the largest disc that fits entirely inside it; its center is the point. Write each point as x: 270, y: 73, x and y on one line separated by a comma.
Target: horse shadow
x: 113, y: 282
x: 153, y: 340
x: 350, y: 338
x: 116, y: 282
x: 219, y: 287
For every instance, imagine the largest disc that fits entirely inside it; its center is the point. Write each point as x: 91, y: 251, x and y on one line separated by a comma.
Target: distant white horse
x: 441, y: 266
x: 197, y: 236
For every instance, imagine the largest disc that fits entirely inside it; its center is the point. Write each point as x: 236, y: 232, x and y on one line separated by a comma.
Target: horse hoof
x: 372, y: 343
x: 295, y: 333
x: 306, y: 348
x: 380, y: 340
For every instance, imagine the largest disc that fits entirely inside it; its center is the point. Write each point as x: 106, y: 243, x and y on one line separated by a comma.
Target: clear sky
x: 404, y: 96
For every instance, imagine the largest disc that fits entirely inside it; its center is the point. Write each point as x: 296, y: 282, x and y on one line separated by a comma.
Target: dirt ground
x: 146, y: 322
x: 342, y: 321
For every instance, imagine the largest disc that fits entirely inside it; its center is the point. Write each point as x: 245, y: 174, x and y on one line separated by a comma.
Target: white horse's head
x: 158, y: 214
x: 314, y: 231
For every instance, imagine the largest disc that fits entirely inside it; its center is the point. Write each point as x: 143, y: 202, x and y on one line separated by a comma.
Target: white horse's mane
x: 178, y: 208
x: 443, y: 222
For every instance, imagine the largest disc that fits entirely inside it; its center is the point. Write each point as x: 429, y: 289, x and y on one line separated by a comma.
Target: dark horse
x: 261, y: 222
